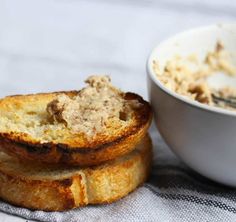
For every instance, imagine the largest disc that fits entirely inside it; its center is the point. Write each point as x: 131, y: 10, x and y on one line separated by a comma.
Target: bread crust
x: 21, y: 186
x: 100, y: 150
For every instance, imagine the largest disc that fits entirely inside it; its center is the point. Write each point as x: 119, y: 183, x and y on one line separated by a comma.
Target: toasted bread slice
x: 27, y: 131
x: 53, y: 188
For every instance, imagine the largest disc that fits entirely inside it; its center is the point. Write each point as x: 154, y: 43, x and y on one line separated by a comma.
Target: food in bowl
x: 202, y: 136
x: 188, y: 76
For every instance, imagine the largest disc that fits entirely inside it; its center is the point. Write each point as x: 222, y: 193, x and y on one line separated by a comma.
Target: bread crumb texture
x: 56, y: 117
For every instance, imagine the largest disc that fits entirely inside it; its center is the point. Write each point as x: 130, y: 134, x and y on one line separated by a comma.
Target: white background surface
x: 49, y: 45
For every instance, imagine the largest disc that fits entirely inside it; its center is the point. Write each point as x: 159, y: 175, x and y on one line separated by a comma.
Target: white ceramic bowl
x: 203, y: 137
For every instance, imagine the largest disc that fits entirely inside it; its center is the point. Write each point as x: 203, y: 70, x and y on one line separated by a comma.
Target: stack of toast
x: 45, y: 164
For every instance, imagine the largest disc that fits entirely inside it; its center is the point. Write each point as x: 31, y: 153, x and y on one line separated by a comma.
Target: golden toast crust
x: 93, y: 185
x: 101, y: 149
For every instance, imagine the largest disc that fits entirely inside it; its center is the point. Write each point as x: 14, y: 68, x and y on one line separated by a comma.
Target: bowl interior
x: 198, y: 42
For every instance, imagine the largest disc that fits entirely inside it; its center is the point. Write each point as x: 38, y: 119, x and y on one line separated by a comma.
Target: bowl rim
x: 187, y: 101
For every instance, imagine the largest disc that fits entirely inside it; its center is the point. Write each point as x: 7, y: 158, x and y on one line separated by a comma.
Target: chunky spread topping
x: 188, y: 76
x: 91, y: 109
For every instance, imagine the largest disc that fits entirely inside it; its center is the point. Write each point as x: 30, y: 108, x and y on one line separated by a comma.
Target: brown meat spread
x: 188, y: 76
x: 93, y: 106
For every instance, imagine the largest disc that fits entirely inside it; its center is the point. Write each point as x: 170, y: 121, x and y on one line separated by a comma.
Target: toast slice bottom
x: 59, y: 188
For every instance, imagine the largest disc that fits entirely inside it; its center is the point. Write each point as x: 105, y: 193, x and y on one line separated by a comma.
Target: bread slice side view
x: 26, y: 131
x: 59, y: 188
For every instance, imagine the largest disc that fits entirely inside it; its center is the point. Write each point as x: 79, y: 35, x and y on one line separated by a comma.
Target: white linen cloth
x: 52, y: 45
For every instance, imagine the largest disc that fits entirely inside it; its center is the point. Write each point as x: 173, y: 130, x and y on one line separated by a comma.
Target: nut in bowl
x: 192, y: 85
